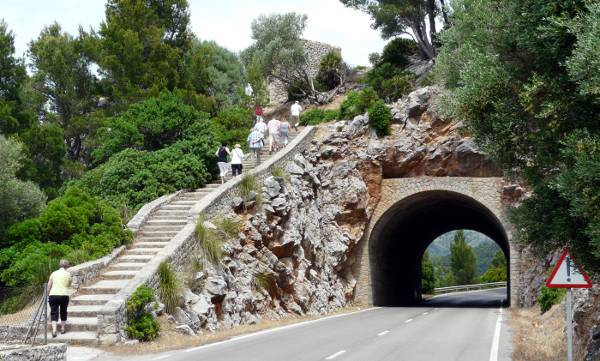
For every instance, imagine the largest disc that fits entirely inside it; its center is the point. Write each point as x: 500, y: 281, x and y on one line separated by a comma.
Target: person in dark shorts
x: 58, y: 292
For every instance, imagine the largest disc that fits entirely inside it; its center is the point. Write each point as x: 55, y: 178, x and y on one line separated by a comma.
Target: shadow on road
x: 493, y: 298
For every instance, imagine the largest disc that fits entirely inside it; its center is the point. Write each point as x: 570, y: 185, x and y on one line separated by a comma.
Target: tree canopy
x: 462, y: 260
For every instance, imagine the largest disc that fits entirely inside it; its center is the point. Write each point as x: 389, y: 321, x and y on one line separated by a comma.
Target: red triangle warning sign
x: 566, y: 274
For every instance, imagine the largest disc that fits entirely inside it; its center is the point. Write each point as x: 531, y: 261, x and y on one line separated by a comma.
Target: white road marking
x: 161, y: 357
x: 409, y: 320
x: 383, y: 333
x: 425, y: 313
x: 331, y: 357
x: 496, y: 339
x: 294, y: 325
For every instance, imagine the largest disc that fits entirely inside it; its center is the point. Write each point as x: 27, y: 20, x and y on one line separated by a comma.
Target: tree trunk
x: 431, y: 15
x: 422, y: 40
x: 445, y: 14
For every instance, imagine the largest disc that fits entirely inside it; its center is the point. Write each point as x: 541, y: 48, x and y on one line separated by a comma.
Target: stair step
x: 135, y: 258
x: 159, y: 222
x: 88, y: 300
x: 154, y: 239
x: 82, y: 338
x: 166, y: 217
x: 158, y: 234
x: 84, y: 310
x: 142, y: 251
x: 82, y: 323
x: 155, y: 245
x: 119, y: 275
x: 103, y: 287
x: 156, y: 228
x: 177, y: 207
x: 166, y: 212
x: 126, y: 266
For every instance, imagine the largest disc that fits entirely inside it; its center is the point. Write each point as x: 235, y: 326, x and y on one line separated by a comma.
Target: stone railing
x: 112, y: 318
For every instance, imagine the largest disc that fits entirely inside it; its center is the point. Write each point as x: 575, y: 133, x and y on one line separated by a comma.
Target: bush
x: 357, y: 103
x: 398, y: 51
x: 75, y: 225
x: 149, y: 125
x: 136, y: 177
x: 169, y: 286
x: 331, y: 69
x: 19, y: 200
x: 380, y: 118
x: 494, y: 274
x: 549, y: 297
x: 141, y: 325
x: 316, y: 116
x: 232, y: 125
x: 396, y: 87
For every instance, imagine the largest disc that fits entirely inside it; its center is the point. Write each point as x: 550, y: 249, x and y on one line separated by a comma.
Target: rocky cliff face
x: 295, y: 250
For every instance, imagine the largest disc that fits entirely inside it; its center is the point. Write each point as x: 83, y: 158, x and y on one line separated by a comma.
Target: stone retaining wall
x: 314, y: 51
x: 52, y: 352
x: 112, y: 319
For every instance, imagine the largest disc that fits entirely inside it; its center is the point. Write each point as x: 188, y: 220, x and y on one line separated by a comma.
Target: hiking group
x: 277, y: 132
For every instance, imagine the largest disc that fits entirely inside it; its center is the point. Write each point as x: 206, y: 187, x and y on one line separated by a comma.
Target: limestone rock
x: 185, y: 330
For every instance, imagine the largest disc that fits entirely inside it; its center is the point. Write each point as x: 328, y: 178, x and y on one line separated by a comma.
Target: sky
x: 225, y: 21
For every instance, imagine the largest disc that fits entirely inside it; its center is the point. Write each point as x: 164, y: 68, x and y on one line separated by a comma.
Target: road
x: 432, y: 332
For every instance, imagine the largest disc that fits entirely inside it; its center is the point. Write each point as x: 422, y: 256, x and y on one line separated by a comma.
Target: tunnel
x: 403, y: 233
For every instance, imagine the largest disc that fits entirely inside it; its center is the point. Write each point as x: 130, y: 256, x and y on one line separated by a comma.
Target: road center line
x: 383, y: 333
x: 331, y: 357
x: 496, y: 339
x: 425, y: 313
x: 409, y: 320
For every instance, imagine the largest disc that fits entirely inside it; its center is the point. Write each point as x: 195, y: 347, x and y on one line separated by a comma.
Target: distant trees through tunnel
x: 435, y: 239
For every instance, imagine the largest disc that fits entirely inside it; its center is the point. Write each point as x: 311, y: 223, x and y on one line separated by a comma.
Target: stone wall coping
x: 117, y: 304
x: 142, y: 215
x: 91, y: 269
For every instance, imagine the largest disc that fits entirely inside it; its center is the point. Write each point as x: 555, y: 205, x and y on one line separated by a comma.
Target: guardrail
x: 479, y: 286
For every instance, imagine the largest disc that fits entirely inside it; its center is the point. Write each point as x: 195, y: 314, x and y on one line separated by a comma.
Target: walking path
x: 158, y: 230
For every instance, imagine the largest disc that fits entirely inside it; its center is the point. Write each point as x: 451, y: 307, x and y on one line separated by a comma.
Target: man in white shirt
x: 295, y: 111
x: 273, y: 127
x: 261, y: 126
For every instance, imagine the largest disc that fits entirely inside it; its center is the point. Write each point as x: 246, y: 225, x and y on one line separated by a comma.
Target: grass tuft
x: 228, y: 227
x: 169, y: 286
x: 279, y: 172
x: 247, y: 185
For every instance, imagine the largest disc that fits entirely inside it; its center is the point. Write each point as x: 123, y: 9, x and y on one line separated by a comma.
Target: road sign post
x: 566, y: 274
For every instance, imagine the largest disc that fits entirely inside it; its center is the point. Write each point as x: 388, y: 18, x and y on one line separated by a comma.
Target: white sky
x: 225, y: 21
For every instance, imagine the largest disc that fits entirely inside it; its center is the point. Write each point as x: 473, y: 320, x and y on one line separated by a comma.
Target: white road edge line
x: 409, y: 320
x: 294, y: 325
x: 161, y: 357
x: 383, y: 333
x: 331, y: 357
x: 496, y: 339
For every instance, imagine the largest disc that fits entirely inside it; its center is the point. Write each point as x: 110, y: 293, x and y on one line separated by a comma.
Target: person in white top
x: 261, y: 126
x: 273, y: 127
x: 295, y: 111
x: 237, y: 158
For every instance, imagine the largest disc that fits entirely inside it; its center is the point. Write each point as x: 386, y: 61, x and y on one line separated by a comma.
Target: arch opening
x: 401, y: 236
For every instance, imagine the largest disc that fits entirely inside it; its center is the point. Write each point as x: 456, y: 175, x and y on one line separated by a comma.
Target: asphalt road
x: 442, y: 329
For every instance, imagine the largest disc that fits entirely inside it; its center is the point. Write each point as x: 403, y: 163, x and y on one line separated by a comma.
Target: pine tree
x: 462, y: 260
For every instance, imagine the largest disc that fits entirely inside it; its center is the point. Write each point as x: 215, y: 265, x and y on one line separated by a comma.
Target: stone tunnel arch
x: 413, y: 212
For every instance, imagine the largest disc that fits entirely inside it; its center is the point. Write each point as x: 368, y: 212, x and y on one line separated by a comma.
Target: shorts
x: 58, y: 304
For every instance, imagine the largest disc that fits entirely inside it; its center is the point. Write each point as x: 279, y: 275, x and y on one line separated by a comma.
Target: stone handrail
x: 112, y: 318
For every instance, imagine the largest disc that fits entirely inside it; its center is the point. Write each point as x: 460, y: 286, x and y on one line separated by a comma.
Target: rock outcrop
x: 297, y: 240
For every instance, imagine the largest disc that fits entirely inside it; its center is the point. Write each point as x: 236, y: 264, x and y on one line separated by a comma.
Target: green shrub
x: 316, y: 116
x: 396, y: 87
x: 247, y: 185
x: 169, y: 286
x: 232, y: 125
x: 351, y: 106
x: 141, y: 325
x: 331, y: 69
x: 75, y: 226
x: 380, y: 118
x: 398, y: 51
x: 137, y: 177
x: 549, y: 297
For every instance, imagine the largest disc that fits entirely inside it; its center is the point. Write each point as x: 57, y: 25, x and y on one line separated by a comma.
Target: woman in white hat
x: 237, y: 158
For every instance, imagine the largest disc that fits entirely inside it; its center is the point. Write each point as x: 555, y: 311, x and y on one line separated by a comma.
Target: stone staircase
x: 156, y: 232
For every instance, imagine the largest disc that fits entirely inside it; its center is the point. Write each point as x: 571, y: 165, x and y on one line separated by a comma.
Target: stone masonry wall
x: 314, y: 51
x: 51, y: 352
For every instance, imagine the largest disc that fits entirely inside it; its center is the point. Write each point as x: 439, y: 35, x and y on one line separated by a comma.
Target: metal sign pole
x: 569, y: 325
